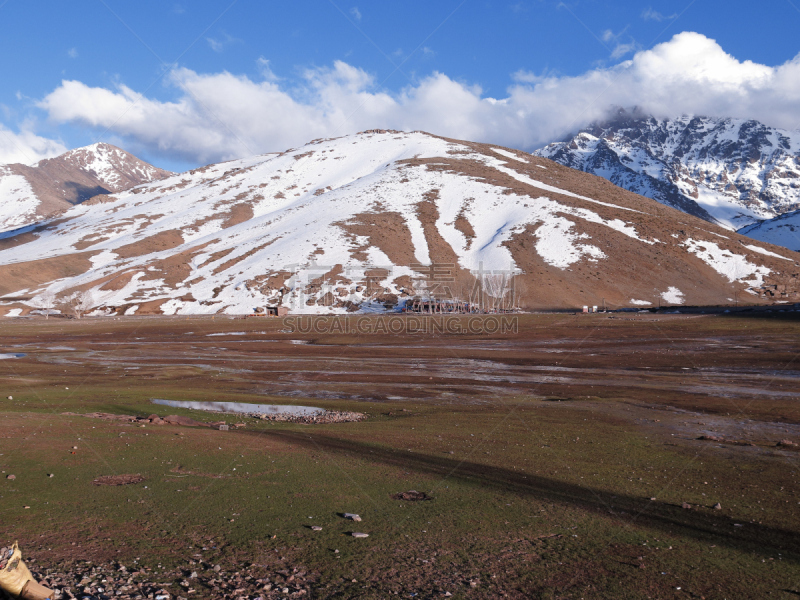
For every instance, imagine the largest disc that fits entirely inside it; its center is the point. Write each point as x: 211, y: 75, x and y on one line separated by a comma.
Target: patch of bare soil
x: 31, y: 274
x: 118, y: 479
x: 164, y: 240
x: 386, y: 230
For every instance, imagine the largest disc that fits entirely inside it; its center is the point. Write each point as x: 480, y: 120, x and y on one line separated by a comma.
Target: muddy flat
x: 566, y: 456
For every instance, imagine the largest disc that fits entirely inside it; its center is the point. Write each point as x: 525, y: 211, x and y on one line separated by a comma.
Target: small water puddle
x: 243, y: 407
x: 11, y: 355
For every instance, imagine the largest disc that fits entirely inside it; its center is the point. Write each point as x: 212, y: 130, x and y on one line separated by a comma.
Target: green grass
x: 530, y: 498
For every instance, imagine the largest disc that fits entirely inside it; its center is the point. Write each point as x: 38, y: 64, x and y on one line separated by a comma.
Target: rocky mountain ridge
x: 30, y: 193
x: 732, y: 172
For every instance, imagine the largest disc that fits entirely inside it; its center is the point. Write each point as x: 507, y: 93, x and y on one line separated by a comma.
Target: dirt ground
x: 569, y: 456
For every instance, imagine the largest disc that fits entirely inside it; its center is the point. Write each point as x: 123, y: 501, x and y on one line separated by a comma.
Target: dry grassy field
x: 570, y: 456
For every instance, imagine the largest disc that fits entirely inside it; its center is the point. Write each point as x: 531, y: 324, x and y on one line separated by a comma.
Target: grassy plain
x: 558, y: 456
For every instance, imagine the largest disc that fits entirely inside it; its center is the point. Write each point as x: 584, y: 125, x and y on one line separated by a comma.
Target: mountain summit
x: 30, y: 193
x: 733, y: 172
x: 373, y: 219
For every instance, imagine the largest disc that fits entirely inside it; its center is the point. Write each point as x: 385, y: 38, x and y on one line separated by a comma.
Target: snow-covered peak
x: 115, y: 168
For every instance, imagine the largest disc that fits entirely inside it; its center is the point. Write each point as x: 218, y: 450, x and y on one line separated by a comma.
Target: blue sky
x: 150, y: 76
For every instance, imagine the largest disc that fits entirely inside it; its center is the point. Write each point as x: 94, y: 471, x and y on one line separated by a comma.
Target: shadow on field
x: 701, y: 523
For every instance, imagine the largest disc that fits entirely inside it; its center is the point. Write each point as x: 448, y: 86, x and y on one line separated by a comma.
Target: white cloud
x: 218, y: 45
x: 220, y: 115
x: 266, y: 69
x: 356, y: 13
x: 620, y: 49
x: 653, y: 15
x: 215, y: 45
x: 72, y: 53
x: 26, y: 147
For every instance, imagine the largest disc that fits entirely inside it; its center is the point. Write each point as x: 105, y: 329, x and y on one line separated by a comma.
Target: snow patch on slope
x: 765, y: 252
x: 673, y: 295
x: 18, y: 203
x: 733, y: 266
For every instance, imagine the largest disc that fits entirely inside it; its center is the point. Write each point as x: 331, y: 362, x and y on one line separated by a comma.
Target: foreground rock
x: 87, y: 580
x: 327, y: 416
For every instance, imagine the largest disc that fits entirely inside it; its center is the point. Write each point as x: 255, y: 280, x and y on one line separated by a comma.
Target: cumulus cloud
x: 26, y: 147
x: 221, y: 115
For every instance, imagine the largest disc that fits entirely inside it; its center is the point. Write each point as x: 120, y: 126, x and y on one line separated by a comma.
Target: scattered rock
x: 326, y: 416
x: 789, y: 443
x: 11, y: 397
x: 352, y: 516
x: 717, y: 506
x: 358, y: 534
x: 316, y: 528
x: 686, y: 505
x: 411, y: 496
x: 711, y: 438
x: 11, y: 477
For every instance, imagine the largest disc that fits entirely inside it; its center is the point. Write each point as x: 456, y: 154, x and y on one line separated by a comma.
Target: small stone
x: 358, y: 534
x: 718, y: 506
x: 653, y: 499
x: 352, y: 516
x: 786, y: 443
x: 11, y: 397
x: 50, y: 475
x: 316, y: 528
x: 217, y: 568
x: 11, y: 477
x: 686, y: 505
x: 74, y: 447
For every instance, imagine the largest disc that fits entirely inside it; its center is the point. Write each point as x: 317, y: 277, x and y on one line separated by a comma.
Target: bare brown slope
x: 634, y: 270
x: 33, y: 273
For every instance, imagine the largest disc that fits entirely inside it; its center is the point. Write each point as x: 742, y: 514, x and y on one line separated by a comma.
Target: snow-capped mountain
x: 29, y: 193
x: 730, y: 171
x: 380, y: 216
